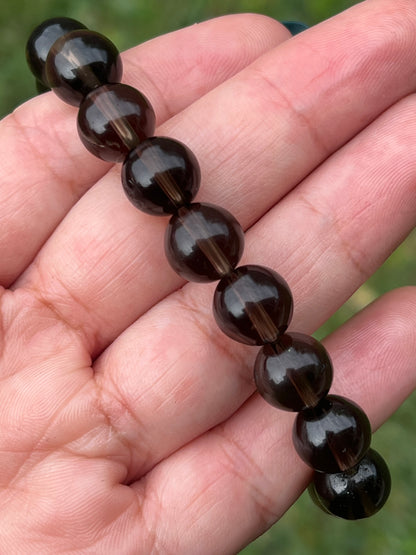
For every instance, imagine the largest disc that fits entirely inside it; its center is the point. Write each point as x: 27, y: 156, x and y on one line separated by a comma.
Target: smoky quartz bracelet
x: 203, y: 242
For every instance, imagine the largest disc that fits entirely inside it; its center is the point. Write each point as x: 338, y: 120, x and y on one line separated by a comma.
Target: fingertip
x: 260, y: 29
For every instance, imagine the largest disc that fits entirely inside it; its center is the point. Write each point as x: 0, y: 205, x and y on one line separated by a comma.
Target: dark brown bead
x: 114, y: 119
x: 80, y: 62
x: 253, y: 305
x: 294, y: 373
x: 356, y: 493
x: 333, y: 436
x: 40, y: 42
x: 160, y: 176
x: 203, y: 242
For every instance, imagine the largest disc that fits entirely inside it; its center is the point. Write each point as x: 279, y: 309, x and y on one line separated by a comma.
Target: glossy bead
x: 114, y: 119
x: 294, y: 373
x: 160, y: 175
x: 79, y: 62
x: 41, y: 40
x: 333, y: 436
x: 203, y: 242
x: 253, y: 305
x: 295, y: 27
x: 356, y: 493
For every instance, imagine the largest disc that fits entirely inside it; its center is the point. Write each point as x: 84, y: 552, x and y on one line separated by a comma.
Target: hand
x: 129, y: 422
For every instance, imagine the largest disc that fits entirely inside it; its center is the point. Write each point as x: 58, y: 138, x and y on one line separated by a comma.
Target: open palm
x: 129, y: 422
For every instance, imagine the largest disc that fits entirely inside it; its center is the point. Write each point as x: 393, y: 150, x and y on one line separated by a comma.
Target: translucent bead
x: 333, y: 436
x: 41, y: 40
x: 203, y: 242
x: 295, y: 27
x: 161, y: 175
x: 80, y: 62
x: 114, y: 119
x: 357, y: 493
x: 253, y: 305
x: 294, y: 373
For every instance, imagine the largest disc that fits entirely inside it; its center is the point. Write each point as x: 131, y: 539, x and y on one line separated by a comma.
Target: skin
x: 129, y: 423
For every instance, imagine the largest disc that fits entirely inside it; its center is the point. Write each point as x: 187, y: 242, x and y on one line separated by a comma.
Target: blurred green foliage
x: 304, y: 530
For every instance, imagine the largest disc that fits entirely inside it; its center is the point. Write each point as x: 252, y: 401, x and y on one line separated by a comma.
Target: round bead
x: 333, y: 436
x: 294, y: 373
x: 203, y: 242
x: 356, y: 493
x: 295, y: 27
x: 160, y: 175
x: 114, y: 119
x: 253, y: 305
x: 41, y: 40
x: 79, y: 62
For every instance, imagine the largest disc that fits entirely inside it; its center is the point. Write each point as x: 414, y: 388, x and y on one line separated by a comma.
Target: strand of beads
x: 203, y: 243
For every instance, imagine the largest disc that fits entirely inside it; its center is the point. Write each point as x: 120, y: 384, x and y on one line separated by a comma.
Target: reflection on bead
x: 356, y: 493
x: 114, y: 119
x: 203, y: 242
x: 253, y: 305
x: 333, y: 436
x: 79, y: 62
x: 41, y: 40
x: 294, y: 373
x: 160, y: 176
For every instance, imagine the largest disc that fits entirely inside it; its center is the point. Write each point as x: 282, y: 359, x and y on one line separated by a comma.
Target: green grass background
x: 304, y: 530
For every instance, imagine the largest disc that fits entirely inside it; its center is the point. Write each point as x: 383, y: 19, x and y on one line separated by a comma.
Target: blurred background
x: 304, y: 530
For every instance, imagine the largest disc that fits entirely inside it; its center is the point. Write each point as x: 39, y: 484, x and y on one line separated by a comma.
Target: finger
x: 41, y: 409
x: 254, y: 146
x: 41, y: 144
x: 324, y: 258
x: 238, y: 479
